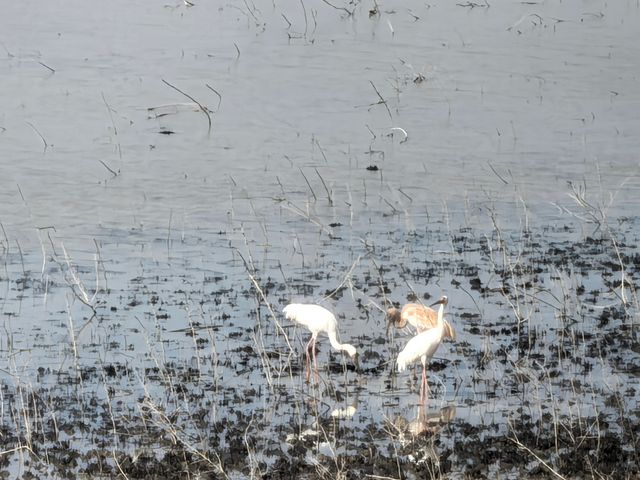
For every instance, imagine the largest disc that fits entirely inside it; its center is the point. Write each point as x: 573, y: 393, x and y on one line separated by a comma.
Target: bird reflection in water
x: 430, y: 423
x: 323, y: 415
x: 347, y: 411
x: 418, y: 436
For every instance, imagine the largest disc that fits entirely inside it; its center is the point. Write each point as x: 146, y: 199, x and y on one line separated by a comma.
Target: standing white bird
x: 317, y: 319
x: 423, y: 346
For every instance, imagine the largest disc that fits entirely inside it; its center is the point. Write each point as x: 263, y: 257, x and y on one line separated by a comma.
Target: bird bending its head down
x: 318, y: 319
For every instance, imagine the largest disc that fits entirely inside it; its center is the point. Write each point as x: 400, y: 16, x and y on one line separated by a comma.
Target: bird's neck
x: 395, y: 318
x: 333, y: 339
x: 440, y: 323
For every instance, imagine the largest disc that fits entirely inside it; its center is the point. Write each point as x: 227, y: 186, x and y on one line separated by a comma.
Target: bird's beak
x: 391, y: 321
x: 436, y: 303
x: 356, y: 362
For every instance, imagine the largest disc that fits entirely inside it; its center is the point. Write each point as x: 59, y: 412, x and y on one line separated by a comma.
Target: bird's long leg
x: 423, y: 386
x: 308, y: 359
x: 315, y: 360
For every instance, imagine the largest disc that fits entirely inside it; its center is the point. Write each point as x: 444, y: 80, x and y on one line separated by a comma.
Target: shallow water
x: 514, y: 193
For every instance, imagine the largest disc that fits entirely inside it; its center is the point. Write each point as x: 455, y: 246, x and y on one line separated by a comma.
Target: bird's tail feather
x: 402, y: 362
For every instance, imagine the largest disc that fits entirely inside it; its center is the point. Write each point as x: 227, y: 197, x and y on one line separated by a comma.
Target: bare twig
x: 115, y: 129
x: 308, y: 184
x: 349, y: 12
x: 47, y: 66
x: 306, y: 22
x: 497, y: 174
x: 40, y: 135
x: 344, y: 280
x: 264, y: 298
x: 381, y: 101
x: 295, y: 209
x: 114, y: 173
x: 216, y: 92
x: 322, y: 151
x: 325, y: 187
x: 204, y: 109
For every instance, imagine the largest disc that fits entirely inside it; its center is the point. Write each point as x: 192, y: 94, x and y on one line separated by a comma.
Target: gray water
x: 508, y: 109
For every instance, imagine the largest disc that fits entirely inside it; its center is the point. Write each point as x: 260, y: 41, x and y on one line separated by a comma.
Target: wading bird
x: 420, y: 317
x: 423, y: 346
x: 317, y: 319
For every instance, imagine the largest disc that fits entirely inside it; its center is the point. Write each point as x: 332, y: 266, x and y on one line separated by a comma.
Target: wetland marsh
x: 359, y: 155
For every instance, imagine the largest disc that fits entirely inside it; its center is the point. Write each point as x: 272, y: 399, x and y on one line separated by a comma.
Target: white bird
x: 423, y: 346
x: 317, y: 319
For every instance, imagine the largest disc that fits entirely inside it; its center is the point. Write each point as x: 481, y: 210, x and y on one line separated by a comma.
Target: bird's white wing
x: 314, y: 317
x: 425, y: 343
